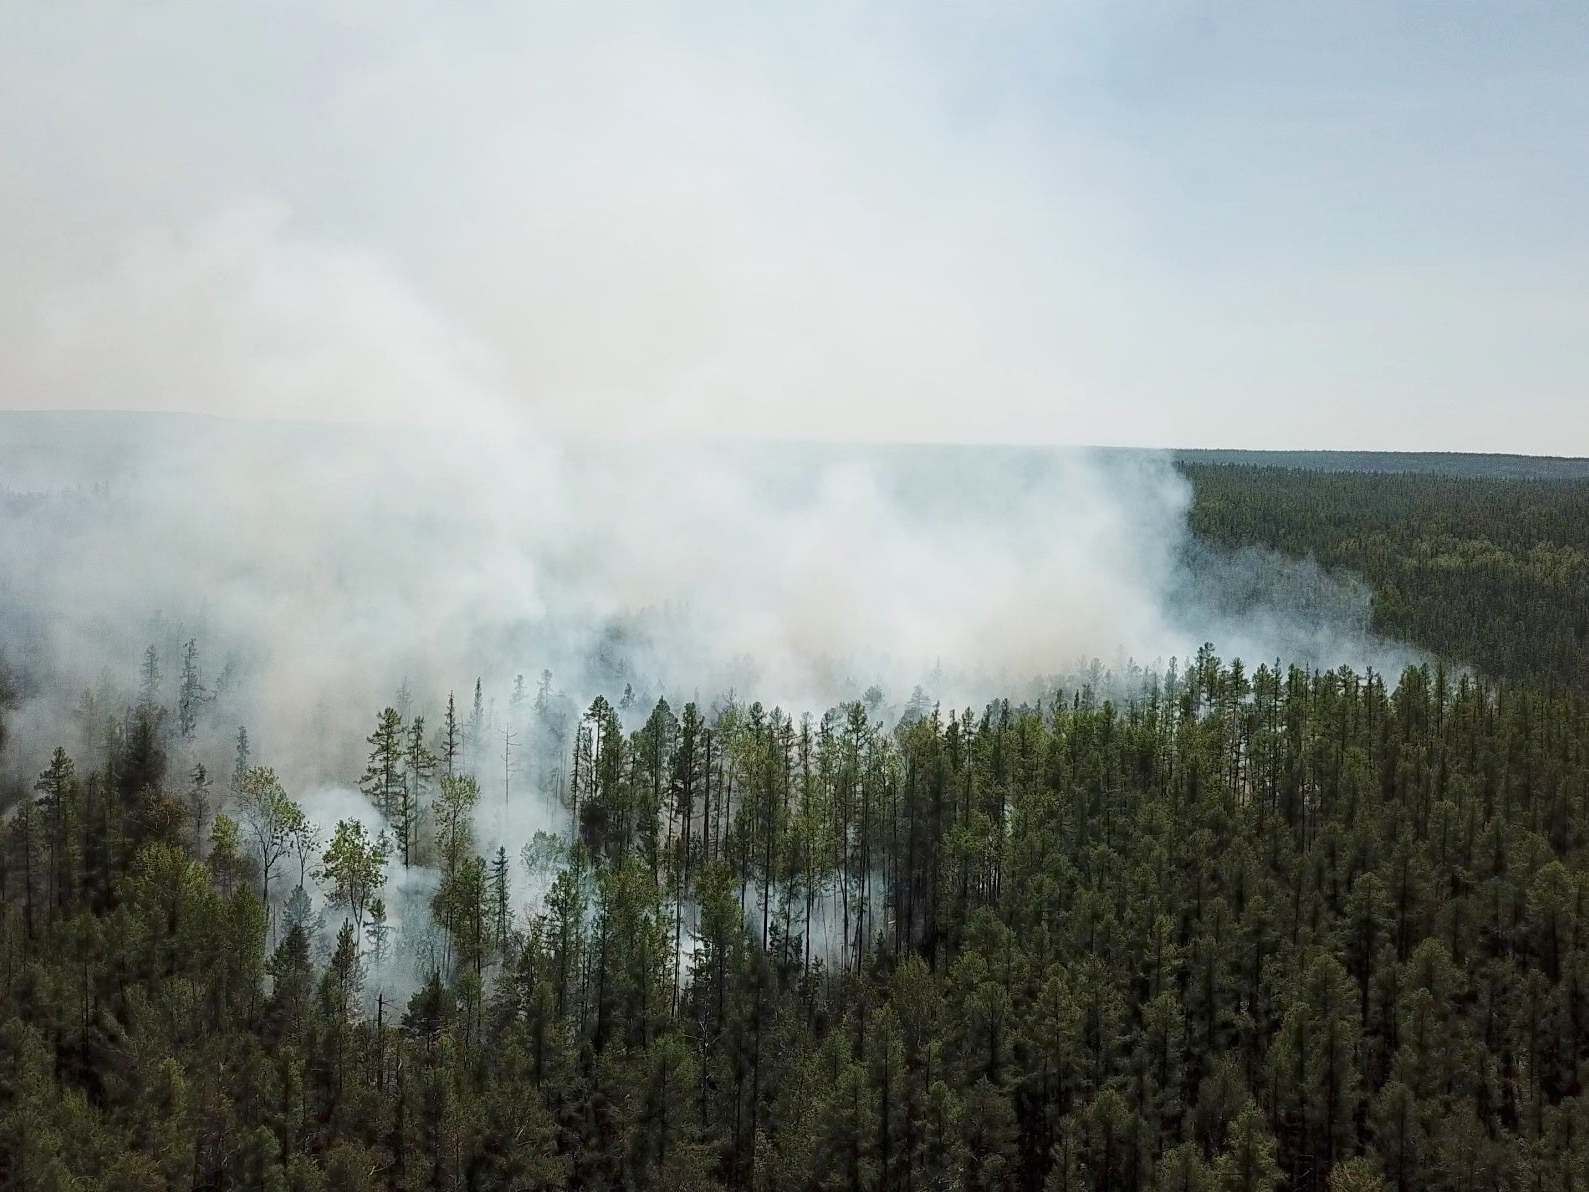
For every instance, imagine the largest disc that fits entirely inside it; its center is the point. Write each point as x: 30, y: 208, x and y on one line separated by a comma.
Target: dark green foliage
x: 1469, y: 465
x: 1491, y: 572
x: 1237, y: 931
x: 1216, y: 929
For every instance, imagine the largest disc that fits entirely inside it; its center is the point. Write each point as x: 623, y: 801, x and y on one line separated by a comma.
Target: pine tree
x: 474, y: 732
x: 149, y: 680
x: 343, y: 981
x: 501, y: 906
x: 421, y: 765
x: 241, y: 761
x: 1248, y: 1162
x: 191, y: 694
x: 377, y: 930
x: 27, y: 843
x: 57, y: 790
x: 383, y: 775
x: 451, y: 740
x: 455, y: 804
x: 198, y: 803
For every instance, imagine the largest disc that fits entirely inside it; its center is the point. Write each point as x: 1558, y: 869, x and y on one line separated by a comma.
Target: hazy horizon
x: 1146, y: 225
x: 730, y: 437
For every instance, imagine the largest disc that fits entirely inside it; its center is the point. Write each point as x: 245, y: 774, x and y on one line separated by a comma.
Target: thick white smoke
x: 325, y: 563
x: 428, y: 532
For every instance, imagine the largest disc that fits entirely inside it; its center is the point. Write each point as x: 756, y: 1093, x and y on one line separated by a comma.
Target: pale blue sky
x: 1220, y: 224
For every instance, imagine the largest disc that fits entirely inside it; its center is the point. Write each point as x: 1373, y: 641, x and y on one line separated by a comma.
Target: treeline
x: 1234, y: 930
x: 1471, y: 465
x: 1494, y: 572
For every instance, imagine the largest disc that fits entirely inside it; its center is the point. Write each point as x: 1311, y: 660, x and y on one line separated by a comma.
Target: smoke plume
x: 428, y: 532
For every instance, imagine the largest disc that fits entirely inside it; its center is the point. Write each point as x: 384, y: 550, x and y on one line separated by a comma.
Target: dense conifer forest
x: 1483, y: 562
x: 1229, y: 925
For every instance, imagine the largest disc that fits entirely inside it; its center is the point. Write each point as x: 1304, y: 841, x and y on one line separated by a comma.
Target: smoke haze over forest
x: 326, y: 570
x: 462, y: 241
x: 867, y: 594
x: 320, y: 567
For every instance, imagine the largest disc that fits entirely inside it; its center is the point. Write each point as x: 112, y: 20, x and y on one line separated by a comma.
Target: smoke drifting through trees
x: 292, y: 578
x: 346, y: 606
x: 319, y: 568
